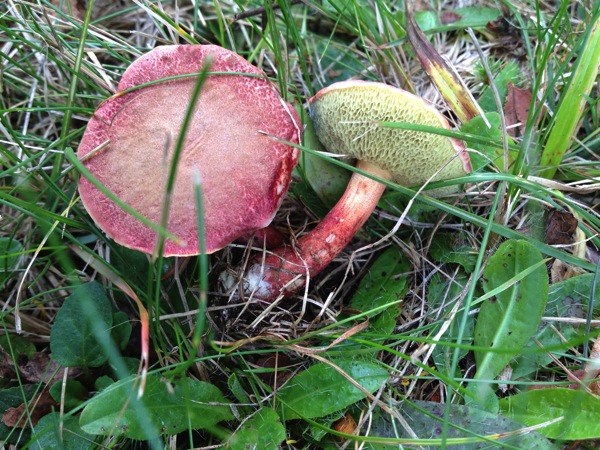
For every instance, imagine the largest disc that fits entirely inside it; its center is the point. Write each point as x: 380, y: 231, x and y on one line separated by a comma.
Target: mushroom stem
x: 286, y: 269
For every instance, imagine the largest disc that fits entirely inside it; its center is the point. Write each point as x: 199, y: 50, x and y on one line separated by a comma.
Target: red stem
x: 284, y: 271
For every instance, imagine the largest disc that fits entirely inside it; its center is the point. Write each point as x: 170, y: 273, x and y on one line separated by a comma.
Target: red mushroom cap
x: 245, y: 173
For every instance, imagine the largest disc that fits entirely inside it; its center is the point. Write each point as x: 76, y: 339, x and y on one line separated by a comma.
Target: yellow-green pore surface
x: 346, y: 117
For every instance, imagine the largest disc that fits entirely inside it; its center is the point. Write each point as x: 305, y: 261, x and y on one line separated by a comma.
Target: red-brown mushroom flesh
x: 245, y: 172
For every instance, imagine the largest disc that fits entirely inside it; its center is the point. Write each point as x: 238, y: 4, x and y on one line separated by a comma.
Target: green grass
x: 415, y: 349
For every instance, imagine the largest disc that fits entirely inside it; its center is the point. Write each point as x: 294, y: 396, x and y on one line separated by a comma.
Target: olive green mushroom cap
x: 346, y: 117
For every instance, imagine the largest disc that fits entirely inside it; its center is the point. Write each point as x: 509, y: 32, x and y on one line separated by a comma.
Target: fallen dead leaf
x: 560, y: 226
x: 346, y: 425
x: 39, y: 406
x: 449, y: 17
x: 40, y: 368
x: 7, y: 368
x: 516, y: 109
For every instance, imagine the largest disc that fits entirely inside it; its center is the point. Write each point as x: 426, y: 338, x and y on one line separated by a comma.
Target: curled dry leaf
x: 448, y: 17
x: 516, y: 109
x: 346, y: 425
x: 560, y: 226
x: 42, y: 369
x: 38, y: 407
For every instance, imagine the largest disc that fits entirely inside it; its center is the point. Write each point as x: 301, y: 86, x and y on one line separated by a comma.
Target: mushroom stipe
x: 345, y: 115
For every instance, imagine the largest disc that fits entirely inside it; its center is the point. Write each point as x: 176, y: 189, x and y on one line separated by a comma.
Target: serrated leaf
x: 51, y: 433
x: 385, y: 282
x: 580, y: 412
x: 426, y: 419
x: 322, y: 390
x: 73, y: 338
x: 262, y: 431
x: 163, y: 409
x: 507, y: 321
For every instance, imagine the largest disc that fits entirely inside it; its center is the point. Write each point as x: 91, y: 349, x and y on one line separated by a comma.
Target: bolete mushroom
x: 128, y: 146
x: 346, y: 117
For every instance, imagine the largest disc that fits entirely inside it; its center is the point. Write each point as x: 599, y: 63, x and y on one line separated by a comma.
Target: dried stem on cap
x: 346, y: 117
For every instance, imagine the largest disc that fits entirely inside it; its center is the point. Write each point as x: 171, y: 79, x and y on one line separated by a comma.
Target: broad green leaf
x: 311, y: 200
x: 507, y: 321
x: 21, y: 347
x: 474, y: 17
x: 568, y: 298
x: 12, y: 398
x: 322, y: 390
x: 165, y: 408
x: 443, y: 293
x: 489, y: 154
x: 75, y: 394
x: 319, y: 429
x: 385, y: 282
x: 451, y: 248
x: 426, y: 419
x: 535, y: 356
x: 339, y: 58
x: 9, y: 257
x: 427, y: 20
x: 262, y: 431
x: 507, y: 75
x: 131, y: 263
x: 51, y: 433
x: 73, y: 340
x: 385, y: 322
x: 580, y: 412
x: 103, y: 382
x: 236, y: 388
x: 571, y: 297
x: 328, y: 180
